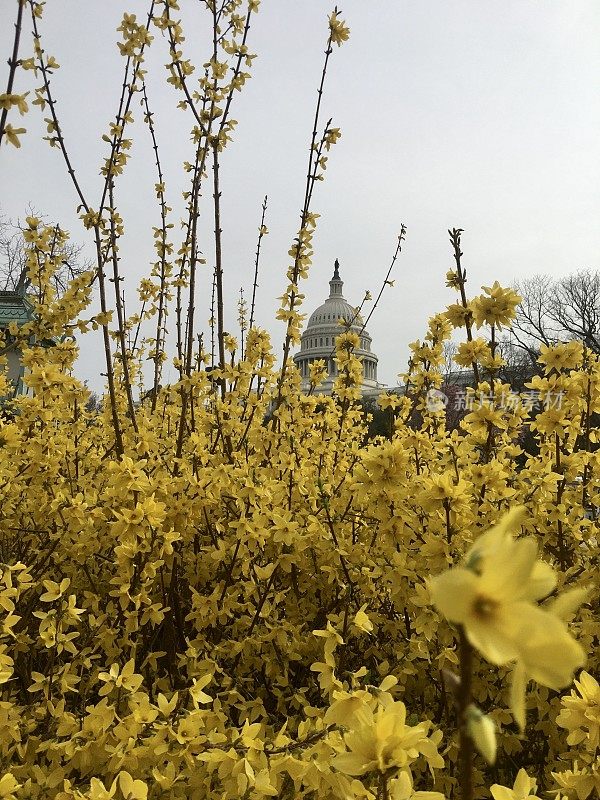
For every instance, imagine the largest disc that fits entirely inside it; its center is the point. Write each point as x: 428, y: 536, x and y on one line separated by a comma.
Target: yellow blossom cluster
x: 157, y: 611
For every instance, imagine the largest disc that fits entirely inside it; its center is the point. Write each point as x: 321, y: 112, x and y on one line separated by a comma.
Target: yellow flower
x: 458, y: 316
x: 12, y: 134
x: 338, y: 30
x: 131, y: 788
x: 385, y: 466
x: 561, y: 356
x: 381, y: 741
x: 362, y: 621
x: 125, y: 678
x: 579, y: 782
x: 551, y: 421
x: 8, y: 100
x: 347, y: 709
x: 98, y: 791
x: 498, y: 308
x: 444, y: 489
x: 8, y: 785
x: 439, y: 328
x: 468, y: 352
x: 6, y: 665
x: 493, y: 596
x: 580, y: 714
x: 317, y: 371
x: 522, y: 789
x: 9, y: 436
x: 401, y: 788
x: 452, y: 280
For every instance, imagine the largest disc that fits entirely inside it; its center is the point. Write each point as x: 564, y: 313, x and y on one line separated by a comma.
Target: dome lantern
x: 336, y: 284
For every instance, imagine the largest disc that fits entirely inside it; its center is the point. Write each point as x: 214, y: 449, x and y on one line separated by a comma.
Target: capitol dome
x: 325, y: 324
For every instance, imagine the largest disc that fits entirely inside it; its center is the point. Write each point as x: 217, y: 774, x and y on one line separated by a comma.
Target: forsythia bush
x: 253, y: 616
x: 225, y: 590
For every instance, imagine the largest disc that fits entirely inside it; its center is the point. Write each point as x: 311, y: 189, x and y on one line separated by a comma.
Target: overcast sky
x: 454, y: 113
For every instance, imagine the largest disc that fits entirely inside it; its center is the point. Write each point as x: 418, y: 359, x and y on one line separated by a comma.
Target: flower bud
x: 482, y: 731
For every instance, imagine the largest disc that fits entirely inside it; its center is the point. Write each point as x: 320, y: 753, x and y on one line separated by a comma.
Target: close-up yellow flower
x: 524, y: 787
x: 382, y: 740
x: 475, y: 350
x: 401, y: 788
x: 495, y: 307
x: 562, y: 356
x: 444, y: 489
x: 493, y: 598
x: 458, y: 316
x: 579, y: 783
x: 581, y: 713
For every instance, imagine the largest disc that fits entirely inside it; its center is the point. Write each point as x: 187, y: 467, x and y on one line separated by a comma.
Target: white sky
x: 479, y: 115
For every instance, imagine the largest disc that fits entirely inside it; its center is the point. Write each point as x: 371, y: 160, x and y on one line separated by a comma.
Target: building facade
x: 15, y: 309
x: 330, y: 319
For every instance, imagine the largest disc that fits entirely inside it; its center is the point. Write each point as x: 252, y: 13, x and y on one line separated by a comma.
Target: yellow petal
x: 362, y: 621
x: 482, y: 732
x: 501, y: 792
x: 453, y: 592
x: 523, y: 784
x: 350, y: 764
x: 549, y: 653
x: 518, y: 685
x: 494, y: 639
x: 498, y: 534
x: 387, y: 683
x: 553, y: 665
x: 541, y: 582
x: 512, y: 520
x: 508, y: 569
x: 566, y: 604
x: 342, y: 712
x: 401, y: 787
x: 587, y: 686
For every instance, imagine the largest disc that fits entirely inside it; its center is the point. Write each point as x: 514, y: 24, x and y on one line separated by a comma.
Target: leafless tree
x: 449, y: 350
x: 13, y: 261
x: 519, y: 365
x: 575, y: 307
x: 532, y: 325
x: 558, y: 310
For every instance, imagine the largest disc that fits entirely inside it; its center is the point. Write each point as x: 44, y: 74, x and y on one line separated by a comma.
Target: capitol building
x: 330, y: 319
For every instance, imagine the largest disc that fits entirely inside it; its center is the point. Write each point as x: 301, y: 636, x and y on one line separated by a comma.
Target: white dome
x: 335, y: 309
x: 332, y: 311
x: 325, y: 324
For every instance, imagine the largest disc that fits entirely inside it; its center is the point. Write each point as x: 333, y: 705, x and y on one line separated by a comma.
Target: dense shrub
x: 225, y: 589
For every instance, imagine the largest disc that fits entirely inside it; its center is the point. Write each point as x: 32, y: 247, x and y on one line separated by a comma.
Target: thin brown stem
x: 386, y: 280
x: 465, y: 755
x: 116, y: 278
x: 310, y: 181
x: 162, y: 248
x: 52, y: 106
x: 261, y: 233
x: 12, y: 64
x: 110, y: 375
x: 218, y: 265
x: 455, y: 235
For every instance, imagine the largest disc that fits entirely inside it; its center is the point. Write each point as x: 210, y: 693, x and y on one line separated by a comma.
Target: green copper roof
x: 14, y: 307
